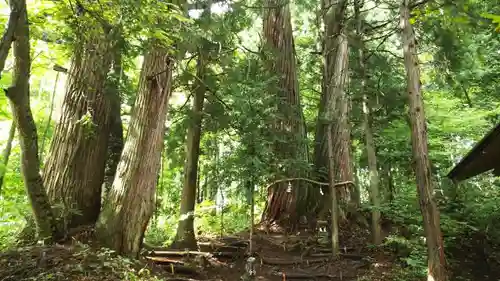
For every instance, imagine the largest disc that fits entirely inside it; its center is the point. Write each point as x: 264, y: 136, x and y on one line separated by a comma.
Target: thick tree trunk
x: 185, y: 237
x: 6, y: 153
x: 19, y: 96
x: 367, y: 126
x: 130, y: 203
x: 284, y: 206
x: 334, y: 98
x: 74, y: 171
x: 335, y: 142
x: 335, y: 104
x: 428, y: 207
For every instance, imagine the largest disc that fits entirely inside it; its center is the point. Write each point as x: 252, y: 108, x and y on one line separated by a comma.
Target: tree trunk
x: 338, y: 169
x: 185, y: 237
x: 16, y: 10
x: 335, y: 104
x: 6, y: 153
x: 428, y: 207
x: 130, y: 203
x: 333, y: 98
x: 74, y: 171
x: 333, y: 193
x: 390, y: 185
x: 287, y: 202
x: 49, y: 118
x: 367, y: 126
x: 115, y: 143
x: 19, y: 96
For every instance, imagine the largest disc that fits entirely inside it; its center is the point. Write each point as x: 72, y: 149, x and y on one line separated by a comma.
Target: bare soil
x: 278, y: 257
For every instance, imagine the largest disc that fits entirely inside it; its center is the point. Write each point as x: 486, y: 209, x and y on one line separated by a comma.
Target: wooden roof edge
x: 469, y: 157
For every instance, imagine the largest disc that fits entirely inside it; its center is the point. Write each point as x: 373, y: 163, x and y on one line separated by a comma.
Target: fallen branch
x: 328, y: 250
x: 353, y: 256
x: 164, y: 260
x: 179, y: 268
x: 192, y: 253
x: 274, y: 261
x: 212, y: 244
x: 344, y: 255
x: 298, y: 275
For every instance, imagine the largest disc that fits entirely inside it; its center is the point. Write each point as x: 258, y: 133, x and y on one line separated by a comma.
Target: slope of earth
x: 278, y: 257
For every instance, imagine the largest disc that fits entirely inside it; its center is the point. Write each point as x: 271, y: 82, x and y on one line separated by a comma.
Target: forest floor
x: 278, y: 257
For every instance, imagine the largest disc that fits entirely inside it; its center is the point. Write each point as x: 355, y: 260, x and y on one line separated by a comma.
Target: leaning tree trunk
x: 74, y: 171
x: 285, y: 207
x: 6, y: 153
x: 367, y: 126
x: 428, y: 207
x: 185, y: 238
x: 16, y: 10
x: 130, y: 203
x: 19, y: 96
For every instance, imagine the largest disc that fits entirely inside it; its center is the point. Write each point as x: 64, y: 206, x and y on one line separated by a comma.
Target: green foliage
x: 460, y: 62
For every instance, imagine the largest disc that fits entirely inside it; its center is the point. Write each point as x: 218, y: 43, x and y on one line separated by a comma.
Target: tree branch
x: 8, y: 36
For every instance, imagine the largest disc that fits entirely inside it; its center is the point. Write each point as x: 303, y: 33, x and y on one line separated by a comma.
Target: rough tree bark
x: 336, y: 142
x: 6, y: 153
x: 19, y: 96
x: 428, y: 207
x: 334, y: 98
x: 74, y: 169
x: 333, y: 18
x: 367, y: 126
x: 185, y: 237
x: 130, y: 203
x: 285, y: 207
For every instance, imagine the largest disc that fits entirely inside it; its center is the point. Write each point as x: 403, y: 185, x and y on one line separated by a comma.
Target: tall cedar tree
x: 130, y: 203
x: 335, y: 102
x: 333, y: 19
x: 285, y: 207
x: 19, y: 96
x: 367, y: 126
x: 428, y: 207
x: 185, y: 237
x: 74, y: 171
